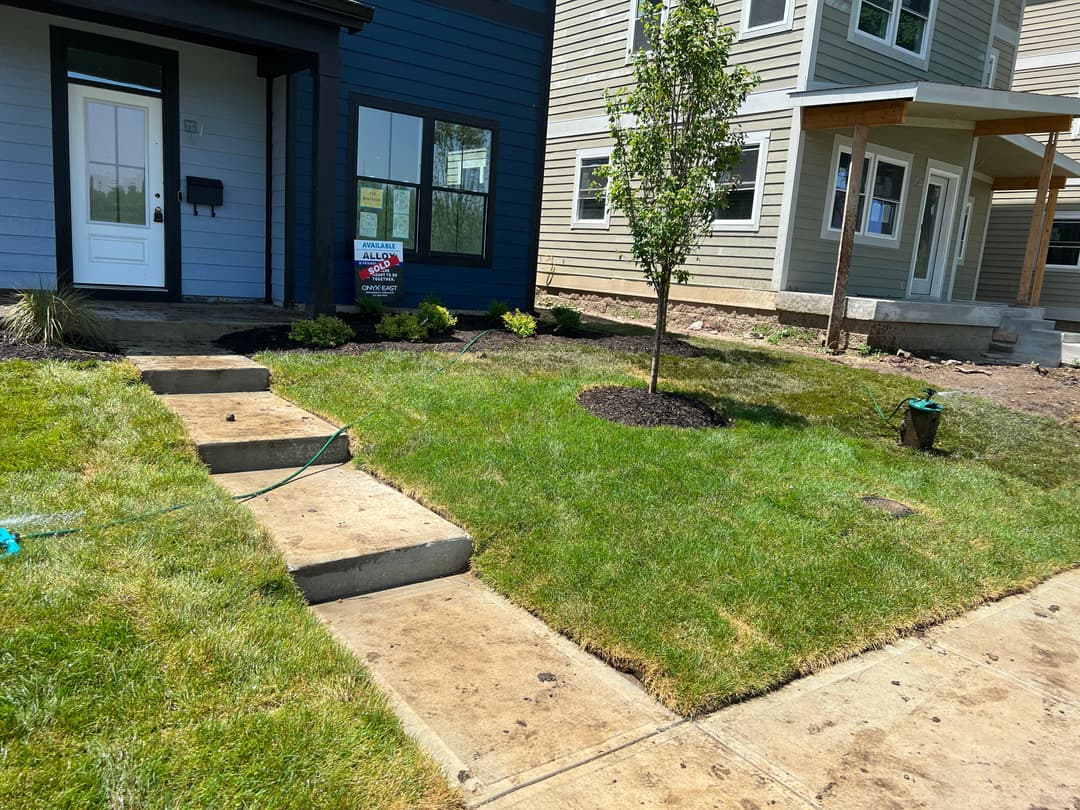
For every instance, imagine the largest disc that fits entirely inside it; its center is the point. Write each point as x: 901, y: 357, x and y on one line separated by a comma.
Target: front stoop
x: 201, y: 369
x: 264, y: 431
x: 344, y: 533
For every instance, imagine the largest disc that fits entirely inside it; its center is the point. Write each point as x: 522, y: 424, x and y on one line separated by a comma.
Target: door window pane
x: 928, y: 231
x: 766, y: 12
x: 458, y: 223
x: 388, y: 145
x: 462, y: 157
x: 116, y: 163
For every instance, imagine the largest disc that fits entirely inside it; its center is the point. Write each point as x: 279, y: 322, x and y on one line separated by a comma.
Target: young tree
x: 675, y: 148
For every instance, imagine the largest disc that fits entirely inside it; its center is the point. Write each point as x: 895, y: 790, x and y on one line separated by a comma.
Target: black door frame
x: 60, y: 40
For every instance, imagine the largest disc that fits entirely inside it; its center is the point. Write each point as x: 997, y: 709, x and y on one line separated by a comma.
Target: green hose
x: 247, y: 496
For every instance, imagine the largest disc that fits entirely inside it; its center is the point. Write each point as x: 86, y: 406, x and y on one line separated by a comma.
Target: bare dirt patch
x: 638, y: 408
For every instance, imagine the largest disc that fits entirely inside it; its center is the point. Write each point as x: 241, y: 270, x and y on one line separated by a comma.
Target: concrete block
x: 200, y: 371
x: 264, y: 431
x: 344, y: 533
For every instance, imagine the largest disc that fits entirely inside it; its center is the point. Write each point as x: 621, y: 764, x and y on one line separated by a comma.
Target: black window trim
x: 429, y: 115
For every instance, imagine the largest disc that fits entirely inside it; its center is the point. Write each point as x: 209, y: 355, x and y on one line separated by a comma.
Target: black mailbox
x: 205, y: 191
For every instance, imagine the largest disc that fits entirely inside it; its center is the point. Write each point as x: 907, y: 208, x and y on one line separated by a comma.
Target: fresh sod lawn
x: 168, y: 663
x: 713, y: 564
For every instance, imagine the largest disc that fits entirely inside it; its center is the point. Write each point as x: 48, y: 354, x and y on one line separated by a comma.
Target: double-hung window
x: 881, y: 194
x: 743, y: 212
x: 644, y: 14
x: 761, y: 17
x: 590, y: 203
x: 424, y: 180
x: 1064, y: 249
x: 905, y: 26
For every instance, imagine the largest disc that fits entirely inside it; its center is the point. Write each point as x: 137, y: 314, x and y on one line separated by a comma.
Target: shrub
x: 436, y: 317
x: 325, y: 332
x: 402, y: 326
x: 52, y: 317
x: 520, y: 323
x: 496, y: 310
x: 370, y: 309
x: 566, y: 319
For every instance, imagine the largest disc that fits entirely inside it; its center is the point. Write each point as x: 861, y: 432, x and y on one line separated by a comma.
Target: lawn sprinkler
x: 920, y: 423
x: 9, y: 543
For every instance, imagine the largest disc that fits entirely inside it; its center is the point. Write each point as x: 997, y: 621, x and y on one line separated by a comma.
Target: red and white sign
x: 371, y: 270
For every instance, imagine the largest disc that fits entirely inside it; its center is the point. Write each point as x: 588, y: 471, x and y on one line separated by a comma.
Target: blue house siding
x: 426, y: 54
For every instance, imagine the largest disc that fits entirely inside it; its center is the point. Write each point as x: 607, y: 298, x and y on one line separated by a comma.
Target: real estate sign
x: 379, y: 269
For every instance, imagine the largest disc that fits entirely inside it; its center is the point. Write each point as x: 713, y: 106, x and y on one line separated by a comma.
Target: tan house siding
x: 1050, y: 26
x: 962, y: 29
x: 584, y: 258
x: 590, y: 53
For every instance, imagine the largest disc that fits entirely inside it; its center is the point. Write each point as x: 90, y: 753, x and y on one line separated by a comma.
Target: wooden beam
x: 1040, y: 270
x: 847, y: 239
x: 1038, y: 218
x: 1023, y: 126
x: 859, y: 114
x: 1026, y: 183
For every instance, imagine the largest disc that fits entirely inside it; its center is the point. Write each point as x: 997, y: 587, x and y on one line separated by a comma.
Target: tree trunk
x: 661, y: 326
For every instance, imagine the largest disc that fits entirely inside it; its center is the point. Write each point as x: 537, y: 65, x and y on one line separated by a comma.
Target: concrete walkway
x: 981, y: 712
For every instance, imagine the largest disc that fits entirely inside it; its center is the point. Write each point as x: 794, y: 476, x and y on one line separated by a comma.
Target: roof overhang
x: 348, y: 14
x: 1015, y: 162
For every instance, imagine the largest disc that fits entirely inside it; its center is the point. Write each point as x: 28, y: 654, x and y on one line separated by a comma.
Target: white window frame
x: 966, y: 214
x: 888, y: 46
x: 665, y: 8
x: 1062, y: 216
x: 761, y: 140
x: 842, y: 144
x: 785, y: 24
x: 990, y: 72
x: 588, y: 224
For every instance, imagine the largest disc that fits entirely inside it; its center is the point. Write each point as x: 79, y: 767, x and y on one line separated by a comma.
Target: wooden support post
x: 1038, y: 218
x: 847, y: 239
x: 1040, y: 268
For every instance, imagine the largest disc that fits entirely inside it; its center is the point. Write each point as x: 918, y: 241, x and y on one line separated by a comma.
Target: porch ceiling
x: 1019, y: 156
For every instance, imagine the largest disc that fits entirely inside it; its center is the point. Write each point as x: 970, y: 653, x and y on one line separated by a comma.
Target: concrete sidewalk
x: 983, y: 711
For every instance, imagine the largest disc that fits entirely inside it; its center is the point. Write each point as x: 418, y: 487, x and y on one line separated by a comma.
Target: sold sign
x: 370, y: 270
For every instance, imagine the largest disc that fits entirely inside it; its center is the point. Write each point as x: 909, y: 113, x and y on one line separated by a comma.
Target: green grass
x: 170, y: 663
x: 717, y: 564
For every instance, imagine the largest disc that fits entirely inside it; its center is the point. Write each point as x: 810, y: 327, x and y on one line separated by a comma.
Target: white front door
x: 117, y: 185
x: 935, y: 229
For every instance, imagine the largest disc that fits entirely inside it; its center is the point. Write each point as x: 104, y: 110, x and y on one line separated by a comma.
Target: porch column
x: 1040, y: 269
x: 325, y: 75
x: 847, y: 238
x: 1038, y: 220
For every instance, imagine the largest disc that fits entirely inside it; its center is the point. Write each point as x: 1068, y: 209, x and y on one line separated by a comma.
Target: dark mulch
x: 12, y: 350
x: 638, y: 408
x: 276, y: 338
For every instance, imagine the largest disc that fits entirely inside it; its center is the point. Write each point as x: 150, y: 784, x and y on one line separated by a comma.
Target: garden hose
x: 9, y: 541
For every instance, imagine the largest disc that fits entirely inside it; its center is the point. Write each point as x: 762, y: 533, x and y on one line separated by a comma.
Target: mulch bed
x: 638, y: 408
x: 12, y: 350
x: 276, y: 338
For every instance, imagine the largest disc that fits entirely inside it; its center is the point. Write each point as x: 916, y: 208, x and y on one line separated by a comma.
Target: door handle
x: 158, y: 215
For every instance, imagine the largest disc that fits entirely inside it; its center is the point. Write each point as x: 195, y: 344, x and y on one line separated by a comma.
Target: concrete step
x: 265, y: 432
x: 343, y: 533
x: 1070, y: 354
x: 1070, y: 337
x: 497, y: 698
x: 197, y: 369
x: 131, y: 322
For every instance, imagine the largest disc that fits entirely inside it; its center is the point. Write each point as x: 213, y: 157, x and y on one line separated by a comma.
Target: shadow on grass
x: 759, y: 414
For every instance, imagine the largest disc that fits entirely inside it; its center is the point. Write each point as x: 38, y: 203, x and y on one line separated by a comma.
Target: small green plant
x: 325, y: 332
x: 370, y: 309
x: 781, y: 334
x: 52, y: 317
x: 567, y: 319
x: 436, y: 317
x: 520, y: 323
x: 496, y: 310
x: 402, y: 326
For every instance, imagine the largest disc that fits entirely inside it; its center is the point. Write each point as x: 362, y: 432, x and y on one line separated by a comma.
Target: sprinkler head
x: 9, y: 543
